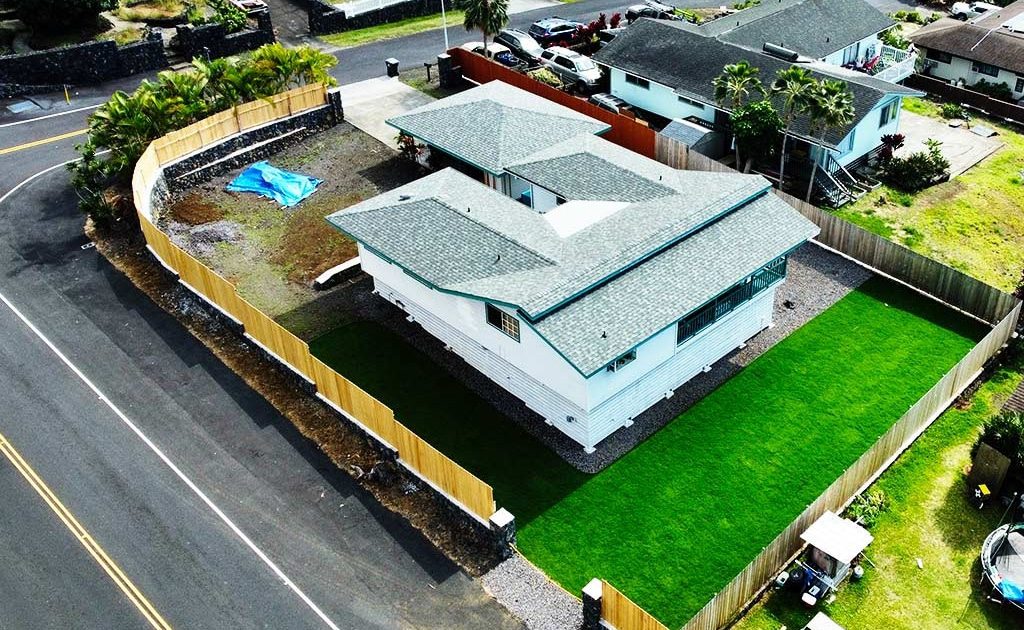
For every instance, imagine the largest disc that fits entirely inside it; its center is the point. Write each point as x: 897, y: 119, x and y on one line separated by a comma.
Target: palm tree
x: 794, y: 87
x: 831, y: 106
x: 735, y: 84
x: 489, y: 16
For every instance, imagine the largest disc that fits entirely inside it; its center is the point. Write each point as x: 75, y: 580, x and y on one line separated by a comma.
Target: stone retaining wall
x: 213, y: 40
x: 81, y: 64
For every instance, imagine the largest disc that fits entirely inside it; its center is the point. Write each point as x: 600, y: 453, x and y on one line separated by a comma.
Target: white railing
x: 364, y: 6
x: 896, y: 64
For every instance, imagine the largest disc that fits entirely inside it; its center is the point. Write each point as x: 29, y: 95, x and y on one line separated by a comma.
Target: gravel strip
x: 529, y: 595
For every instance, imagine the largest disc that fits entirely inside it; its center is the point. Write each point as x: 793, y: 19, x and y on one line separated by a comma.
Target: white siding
x: 657, y: 98
x: 535, y: 373
x: 960, y: 68
x: 661, y: 366
x: 867, y: 48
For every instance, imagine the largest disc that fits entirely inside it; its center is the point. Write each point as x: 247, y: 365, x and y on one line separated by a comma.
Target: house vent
x: 780, y: 52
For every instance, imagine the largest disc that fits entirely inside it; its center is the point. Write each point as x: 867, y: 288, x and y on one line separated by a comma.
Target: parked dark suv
x: 521, y: 44
x: 554, y: 30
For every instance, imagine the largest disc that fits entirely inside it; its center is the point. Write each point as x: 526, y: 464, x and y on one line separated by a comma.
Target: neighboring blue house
x: 682, y: 89
x: 589, y: 281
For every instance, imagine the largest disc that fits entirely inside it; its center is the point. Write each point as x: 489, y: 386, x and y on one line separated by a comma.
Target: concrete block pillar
x: 592, y: 605
x: 265, y: 26
x: 503, y: 526
x: 448, y: 76
x: 337, y: 107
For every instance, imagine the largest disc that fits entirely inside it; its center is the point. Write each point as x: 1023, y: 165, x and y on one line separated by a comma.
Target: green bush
x: 867, y: 507
x: 547, y: 77
x: 910, y: 16
x: 894, y: 37
x: 917, y: 170
x: 60, y: 15
x: 1004, y: 432
x: 228, y: 15
x: 952, y: 110
x: 904, y: 199
x: 1000, y: 91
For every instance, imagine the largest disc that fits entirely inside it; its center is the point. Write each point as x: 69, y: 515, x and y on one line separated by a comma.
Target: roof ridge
x: 661, y: 237
x: 504, y: 237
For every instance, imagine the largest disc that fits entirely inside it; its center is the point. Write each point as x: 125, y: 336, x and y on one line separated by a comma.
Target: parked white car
x: 572, y: 68
x: 493, y: 48
x: 971, y: 10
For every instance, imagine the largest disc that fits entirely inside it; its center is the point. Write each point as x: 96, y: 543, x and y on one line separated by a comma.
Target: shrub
x: 615, y: 20
x: 1000, y: 91
x: 894, y: 37
x: 60, y: 15
x: 546, y: 76
x: 917, y: 170
x: 745, y: 4
x: 910, y: 16
x: 758, y: 130
x: 867, y: 507
x: 904, y: 199
x: 890, y: 143
x: 1004, y: 433
x: 952, y: 110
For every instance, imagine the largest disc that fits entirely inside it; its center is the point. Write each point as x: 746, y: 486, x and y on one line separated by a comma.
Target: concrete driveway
x: 962, y: 147
x: 369, y: 103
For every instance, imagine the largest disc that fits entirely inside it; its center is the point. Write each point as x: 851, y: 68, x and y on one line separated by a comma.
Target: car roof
x: 553, y: 21
x: 565, y: 52
x: 515, y: 31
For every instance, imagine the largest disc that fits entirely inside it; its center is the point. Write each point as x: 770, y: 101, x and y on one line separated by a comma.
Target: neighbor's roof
x: 814, y: 28
x: 696, y: 60
x: 668, y: 245
x: 689, y: 133
x: 494, y: 124
x: 986, y: 39
x: 838, y: 537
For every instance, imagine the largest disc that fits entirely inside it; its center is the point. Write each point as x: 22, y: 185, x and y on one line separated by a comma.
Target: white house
x: 592, y: 308
x: 683, y: 89
x: 989, y: 47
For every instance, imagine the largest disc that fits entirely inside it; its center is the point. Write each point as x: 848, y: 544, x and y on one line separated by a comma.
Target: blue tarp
x: 1011, y: 591
x: 284, y: 187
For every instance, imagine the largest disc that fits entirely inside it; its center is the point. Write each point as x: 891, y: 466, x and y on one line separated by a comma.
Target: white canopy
x: 822, y: 621
x: 837, y: 537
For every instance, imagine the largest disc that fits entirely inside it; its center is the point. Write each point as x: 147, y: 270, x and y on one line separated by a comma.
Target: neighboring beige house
x: 989, y: 47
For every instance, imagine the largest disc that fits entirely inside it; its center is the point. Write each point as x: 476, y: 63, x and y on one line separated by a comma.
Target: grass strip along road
x: 675, y: 519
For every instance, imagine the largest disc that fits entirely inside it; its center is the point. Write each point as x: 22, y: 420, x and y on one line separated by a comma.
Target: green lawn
x: 973, y: 222
x: 930, y: 519
x: 675, y: 519
x: 392, y: 30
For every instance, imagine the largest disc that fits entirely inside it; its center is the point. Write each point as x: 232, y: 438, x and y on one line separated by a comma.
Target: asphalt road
x: 362, y: 566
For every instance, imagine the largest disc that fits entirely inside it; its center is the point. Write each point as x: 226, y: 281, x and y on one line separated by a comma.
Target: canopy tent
x: 284, y: 187
x: 837, y: 537
x: 822, y: 621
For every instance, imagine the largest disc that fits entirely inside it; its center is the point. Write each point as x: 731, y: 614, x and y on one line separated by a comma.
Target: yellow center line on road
x: 36, y: 143
x: 130, y: 590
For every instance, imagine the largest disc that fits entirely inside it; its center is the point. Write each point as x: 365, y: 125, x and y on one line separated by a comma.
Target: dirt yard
x: 273, y: 254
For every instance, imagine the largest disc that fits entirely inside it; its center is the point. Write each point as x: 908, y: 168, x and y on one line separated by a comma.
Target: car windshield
x: 583, y: 64
x: 530, y: 46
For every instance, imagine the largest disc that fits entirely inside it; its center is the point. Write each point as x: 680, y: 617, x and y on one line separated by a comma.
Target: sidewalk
x: 369, y: 103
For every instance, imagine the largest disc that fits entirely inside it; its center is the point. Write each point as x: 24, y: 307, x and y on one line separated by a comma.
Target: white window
x: 622, y: 361
x: 1019, y: 87
x: 850, y: 54
x: 889, y: 112
x: 632, y: 79
x: 503, y: 321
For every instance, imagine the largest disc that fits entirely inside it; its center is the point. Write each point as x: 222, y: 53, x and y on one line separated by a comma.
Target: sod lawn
x: 972, y: 223
x: 928, y: 518
x: 675, y: 519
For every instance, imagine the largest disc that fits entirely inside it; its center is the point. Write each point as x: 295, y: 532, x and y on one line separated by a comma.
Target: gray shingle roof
x: 634, y: 271
x: 978, y: 42
x: 507, y: 124
x: 578, y: 174
x: 814, y: 28
x: 696, y: 60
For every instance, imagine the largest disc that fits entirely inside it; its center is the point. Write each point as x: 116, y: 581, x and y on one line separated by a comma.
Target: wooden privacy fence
x: 625, y: 131
x: 475, y: 496
x: 745, y: 586
x: 621, y: 613
x: 964, y: 96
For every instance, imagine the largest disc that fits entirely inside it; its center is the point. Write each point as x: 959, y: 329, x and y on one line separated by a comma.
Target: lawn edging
x: 223, y: 141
